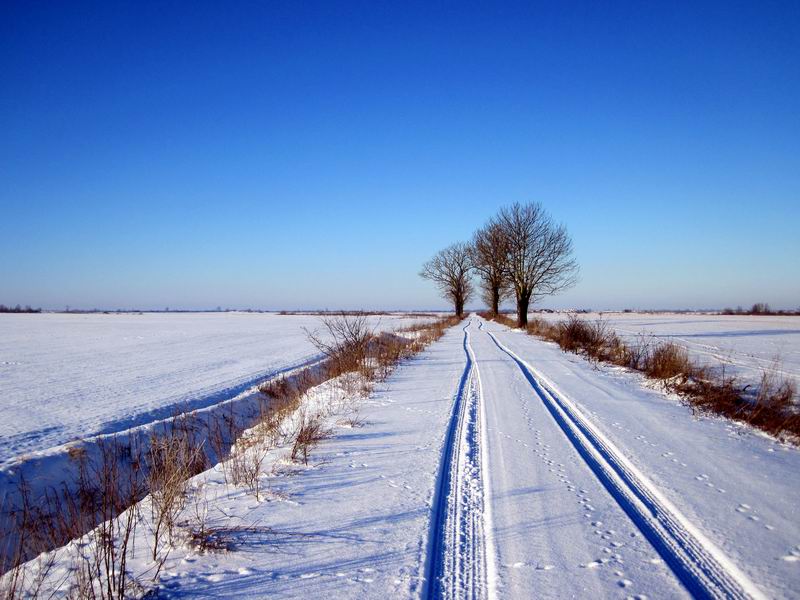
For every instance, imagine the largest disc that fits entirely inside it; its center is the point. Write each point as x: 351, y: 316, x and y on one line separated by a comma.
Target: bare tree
x: 489, y: 257
x: 450, y: 269
x: 539, y: 260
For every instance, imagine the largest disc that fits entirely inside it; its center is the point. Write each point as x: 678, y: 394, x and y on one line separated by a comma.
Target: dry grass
x: 310, y: 433
x: 771, y: 407
x: 668, y: 360
x: 172, y: 459
x: 501, y: 318
x: 223, y: 538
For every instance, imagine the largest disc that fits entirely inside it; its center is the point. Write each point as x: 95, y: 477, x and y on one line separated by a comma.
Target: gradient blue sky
x: 301, y: 154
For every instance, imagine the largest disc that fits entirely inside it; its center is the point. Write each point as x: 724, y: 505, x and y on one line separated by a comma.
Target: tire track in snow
x: 457, y: 564
x: 702, y: 567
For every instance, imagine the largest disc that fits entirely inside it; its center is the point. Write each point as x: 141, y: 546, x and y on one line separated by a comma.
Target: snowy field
x: 746, y: 345
x: 64, y: 377
x: 494, y: 465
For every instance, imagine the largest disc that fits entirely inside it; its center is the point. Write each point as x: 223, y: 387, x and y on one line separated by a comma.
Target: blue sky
x: 298, y: 155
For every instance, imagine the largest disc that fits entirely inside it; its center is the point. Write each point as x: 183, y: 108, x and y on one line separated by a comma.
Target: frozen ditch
x: 177, y: 343
x: 65, y: 377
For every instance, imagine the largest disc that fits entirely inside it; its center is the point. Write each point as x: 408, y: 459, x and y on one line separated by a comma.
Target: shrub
x: 310, y: 433
x: 772, y: 407
x: 344, y: 341
x: 668, y: 360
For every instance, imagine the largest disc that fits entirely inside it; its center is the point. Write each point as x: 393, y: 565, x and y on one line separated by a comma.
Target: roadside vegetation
x: 132, y: 496
x: 771, y: 406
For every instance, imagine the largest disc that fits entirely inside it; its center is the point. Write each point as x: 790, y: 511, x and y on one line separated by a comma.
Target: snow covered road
x: 457, y: 566
x: 557, y: 531
x: 665, y: 502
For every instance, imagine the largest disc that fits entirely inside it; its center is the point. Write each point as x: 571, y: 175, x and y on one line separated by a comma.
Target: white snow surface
x: 353, y: 523
x: 745, y: 345
x: 580, y: 480
x: 70, y: 376
x: 735, y: 486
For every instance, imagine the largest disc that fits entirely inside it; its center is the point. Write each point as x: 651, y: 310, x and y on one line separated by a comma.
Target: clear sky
x: 303, y: 154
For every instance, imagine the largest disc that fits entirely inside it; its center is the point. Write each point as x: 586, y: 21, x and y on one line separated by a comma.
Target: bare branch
x: 489, y: 255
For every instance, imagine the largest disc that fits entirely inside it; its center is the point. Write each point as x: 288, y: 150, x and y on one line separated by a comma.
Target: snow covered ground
x: 746, y: 345
x: 68, y: 376
x: 730, y: 488
x: 353, y: 523
x: 495, y: 465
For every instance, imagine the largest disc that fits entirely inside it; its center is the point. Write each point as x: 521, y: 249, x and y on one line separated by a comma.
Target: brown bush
x: 344, y: 341
x: 721, y: 396
x: 310, y: 433
x: 668, y: 360
x: 172, y: 459
x: 775, y: 392
x: 594, y: 339
x: 385, y: 351
x: 772, y: 407
x: 542, y: 328
x: 636, y: 355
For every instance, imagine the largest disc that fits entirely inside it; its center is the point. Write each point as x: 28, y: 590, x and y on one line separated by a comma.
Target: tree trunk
x: 459, y: 308
x: 522, y: 311
x: 495, y: 301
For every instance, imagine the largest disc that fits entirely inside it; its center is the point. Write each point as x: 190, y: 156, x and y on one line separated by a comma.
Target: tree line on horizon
x: 19, y: 309
x: 521, y: 253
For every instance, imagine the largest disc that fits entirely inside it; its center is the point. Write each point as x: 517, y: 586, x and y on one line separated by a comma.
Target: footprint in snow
x: 793, y: 556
